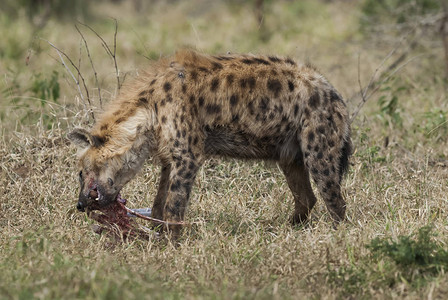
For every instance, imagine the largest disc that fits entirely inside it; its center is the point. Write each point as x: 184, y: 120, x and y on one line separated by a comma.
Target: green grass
x: 413, y: 260
x: 240, y: 244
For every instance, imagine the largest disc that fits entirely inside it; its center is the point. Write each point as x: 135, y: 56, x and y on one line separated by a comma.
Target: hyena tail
x: 326, y: 148
x: 346, y: 151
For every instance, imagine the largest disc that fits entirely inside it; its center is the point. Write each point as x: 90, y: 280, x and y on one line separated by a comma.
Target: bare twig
x: 80, y: 57
x: 115, y: 52
x: 61, y: 53
x: 362, y: 91
x: 391, y: 74
x: 378, y: 85
x: 103, y: 42
x: 144, y: 46
x: 363, y: 98
x: 392, y: 52
x: 437, y: 127
x: 375, y: 81
x: 91, y: 64
x: 108, y: 50
x: 124, y: 77
x: 141, y: 54
x: 196, y: 33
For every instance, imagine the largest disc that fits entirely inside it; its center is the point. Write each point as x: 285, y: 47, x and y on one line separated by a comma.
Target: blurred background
x: 346, y: 40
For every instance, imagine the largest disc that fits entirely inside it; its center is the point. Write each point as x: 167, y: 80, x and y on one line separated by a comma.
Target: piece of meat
x: 116, y: 222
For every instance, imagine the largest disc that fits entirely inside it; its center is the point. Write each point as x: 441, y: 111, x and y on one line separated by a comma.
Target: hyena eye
x: 110, y: 181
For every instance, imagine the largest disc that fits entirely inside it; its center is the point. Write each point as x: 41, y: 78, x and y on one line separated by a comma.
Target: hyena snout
x: 89, y: 200
x: 80, y: 206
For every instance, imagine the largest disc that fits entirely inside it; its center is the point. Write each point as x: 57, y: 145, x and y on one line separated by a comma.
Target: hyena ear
x: 81, y: 138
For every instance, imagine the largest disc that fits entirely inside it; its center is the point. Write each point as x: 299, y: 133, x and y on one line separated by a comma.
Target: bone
x: 143, y: 211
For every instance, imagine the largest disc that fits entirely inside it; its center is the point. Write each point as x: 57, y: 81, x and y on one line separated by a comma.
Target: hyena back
x: 190, y: 106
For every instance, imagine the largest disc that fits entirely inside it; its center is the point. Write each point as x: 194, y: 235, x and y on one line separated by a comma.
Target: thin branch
x: 392, y: 74
x: 80, y: 57
x: 371, y: 81
x: 392, y: 52
x: 375, y: 81
x: 379, y: 84
x: 106, y: 47
x: 141, y: 54
x: 60, y: 53
x: 143, y: 44
x: 124, y: 77
x: 359, y: 80
x: 108, y: 50
x: 437, y: 127
x: 91, y: 63
x: 115, y: 52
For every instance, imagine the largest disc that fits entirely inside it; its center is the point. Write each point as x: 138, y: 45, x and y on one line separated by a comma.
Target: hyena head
x: 106, y: 166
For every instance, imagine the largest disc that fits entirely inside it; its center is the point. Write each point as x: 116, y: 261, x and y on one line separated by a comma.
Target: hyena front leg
x: 162, y: 192
x: 299, y: 182
x: 181, y: 179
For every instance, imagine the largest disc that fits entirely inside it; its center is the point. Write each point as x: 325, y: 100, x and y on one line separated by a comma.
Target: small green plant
x: 417, y: 254
x: 436, y: 124
x: 10, y: 86
x: 390, y: 111
x: 350, y: 279
x: 367, y: 152
x: 412, y: 259
x: 46, y: 89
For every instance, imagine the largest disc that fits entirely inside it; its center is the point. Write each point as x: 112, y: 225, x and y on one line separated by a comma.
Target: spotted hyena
x: 190, y: 106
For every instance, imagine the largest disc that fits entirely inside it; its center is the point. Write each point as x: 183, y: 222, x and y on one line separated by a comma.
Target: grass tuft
x: 414, y: 260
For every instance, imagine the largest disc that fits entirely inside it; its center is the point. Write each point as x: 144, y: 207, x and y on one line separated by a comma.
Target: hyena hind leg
x: 299, y: 182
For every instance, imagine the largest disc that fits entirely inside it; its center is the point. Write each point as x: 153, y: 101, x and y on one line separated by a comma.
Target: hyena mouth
x: 94, y: 193
x: 99, y: 199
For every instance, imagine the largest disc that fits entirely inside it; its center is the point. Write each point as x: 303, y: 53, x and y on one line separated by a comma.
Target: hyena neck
x: 126, y: 130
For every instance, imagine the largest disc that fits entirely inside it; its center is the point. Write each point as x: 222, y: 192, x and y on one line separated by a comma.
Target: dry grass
x: 240, y: 244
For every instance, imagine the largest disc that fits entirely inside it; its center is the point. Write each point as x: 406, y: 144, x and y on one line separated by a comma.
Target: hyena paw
x: 299, y: 219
